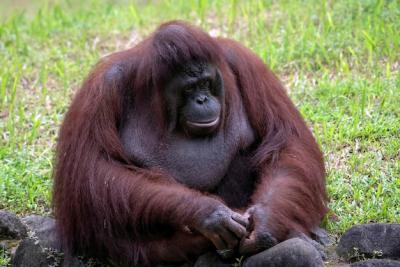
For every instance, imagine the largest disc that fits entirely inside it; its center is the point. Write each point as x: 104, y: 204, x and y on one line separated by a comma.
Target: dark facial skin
x: 194, y: 98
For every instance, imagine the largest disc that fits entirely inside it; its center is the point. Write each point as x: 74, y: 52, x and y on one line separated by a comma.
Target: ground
x: 339, y: 60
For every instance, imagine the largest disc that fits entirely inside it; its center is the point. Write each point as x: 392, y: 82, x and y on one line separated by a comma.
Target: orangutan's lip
x: 205, y: 124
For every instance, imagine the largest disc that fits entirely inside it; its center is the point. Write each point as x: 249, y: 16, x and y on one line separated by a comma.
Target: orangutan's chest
x: 199, y: 163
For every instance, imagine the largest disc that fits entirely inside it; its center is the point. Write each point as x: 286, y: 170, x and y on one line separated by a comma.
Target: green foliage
x: 4, y: 258
x: 338, y: 59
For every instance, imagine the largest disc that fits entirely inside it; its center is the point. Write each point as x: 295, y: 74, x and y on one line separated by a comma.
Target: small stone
x: 31, y: 254
x: 76, y: 262
x: 377, y: 263
x: 321, y: 236
x: 210, y: 259
x: 11, y: 226
x: 44, y: 230
x: 370, y: 240
x: 43, y: 247
x: 294, y: 252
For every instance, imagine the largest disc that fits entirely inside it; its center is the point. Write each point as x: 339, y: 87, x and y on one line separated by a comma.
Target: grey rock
x: 294, y: 252
x: 210, y: 259
x: 31, y: 254
x: 370, y: 240
x: 75, y: 262
x: 377, y: 263
x: 42, y: 248
x: 317, y: 245
x: 321, y: 236
x: 11, y: 226
x: 163, y: 265
x: 43, y: 229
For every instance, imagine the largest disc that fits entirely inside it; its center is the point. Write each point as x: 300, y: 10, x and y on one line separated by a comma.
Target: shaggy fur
x: 107, y: 205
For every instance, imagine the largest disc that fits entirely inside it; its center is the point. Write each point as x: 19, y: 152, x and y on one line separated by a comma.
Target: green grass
x: 4, y: 257
x: 340, y: 61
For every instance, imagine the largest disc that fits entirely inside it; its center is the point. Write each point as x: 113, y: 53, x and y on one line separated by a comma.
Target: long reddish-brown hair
x: 107, y: 205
